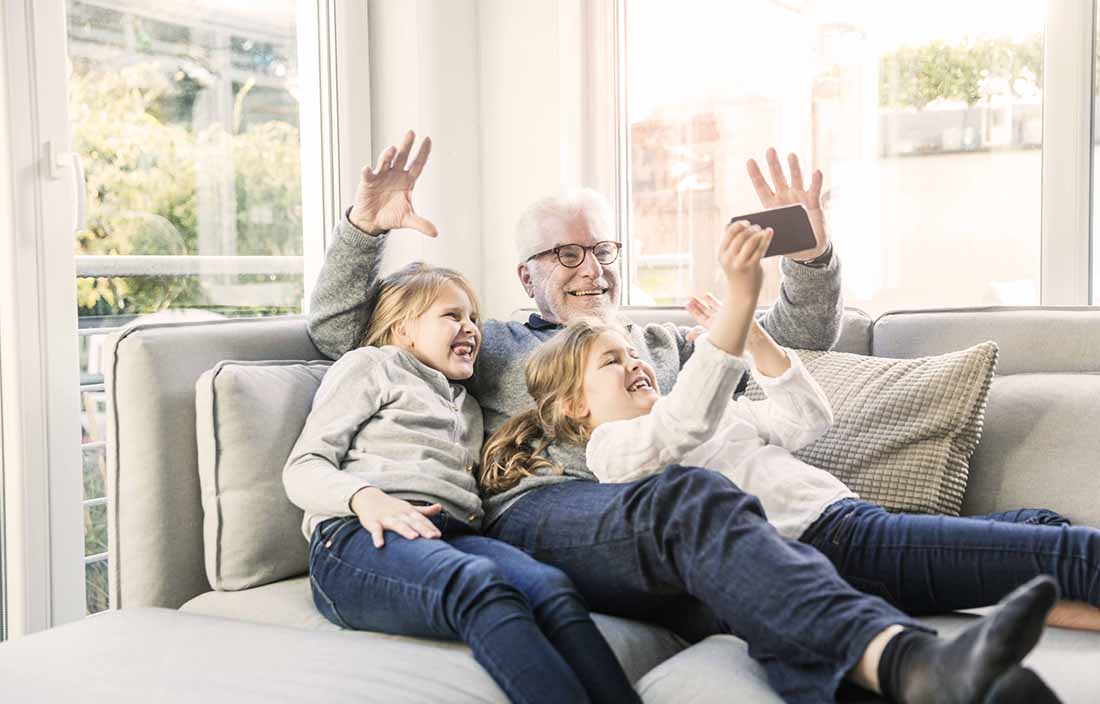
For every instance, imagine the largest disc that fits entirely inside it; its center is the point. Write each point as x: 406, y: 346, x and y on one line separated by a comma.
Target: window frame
x: 43, y: 541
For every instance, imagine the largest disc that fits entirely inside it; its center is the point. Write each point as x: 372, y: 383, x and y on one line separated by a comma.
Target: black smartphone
x: 791, y: 224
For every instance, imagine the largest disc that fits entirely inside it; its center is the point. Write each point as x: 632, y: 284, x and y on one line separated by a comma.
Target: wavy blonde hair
x: 407, y: 294
x: 555, y: 380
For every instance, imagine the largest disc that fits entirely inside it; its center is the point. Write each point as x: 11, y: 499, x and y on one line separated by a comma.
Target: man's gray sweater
x: 807, y: 315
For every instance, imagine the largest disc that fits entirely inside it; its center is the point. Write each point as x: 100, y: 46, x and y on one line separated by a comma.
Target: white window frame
x: 43, y: 542
x: 1067, y: 266
x: 44, y: 539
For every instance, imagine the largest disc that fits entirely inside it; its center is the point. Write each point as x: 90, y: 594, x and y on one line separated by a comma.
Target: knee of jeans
x: 548, y: 584
x: 478, y: 580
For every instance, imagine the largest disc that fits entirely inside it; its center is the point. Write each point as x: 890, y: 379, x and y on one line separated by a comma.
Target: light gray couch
x: 173, y: 638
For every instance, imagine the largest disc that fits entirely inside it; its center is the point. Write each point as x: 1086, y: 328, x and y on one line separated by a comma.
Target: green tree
x: 132, y: 126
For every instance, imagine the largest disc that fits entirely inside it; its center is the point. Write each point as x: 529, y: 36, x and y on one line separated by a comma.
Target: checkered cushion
x: 904, y: 429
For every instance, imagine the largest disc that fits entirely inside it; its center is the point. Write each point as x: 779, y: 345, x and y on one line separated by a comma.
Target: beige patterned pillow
x: 904, y: 429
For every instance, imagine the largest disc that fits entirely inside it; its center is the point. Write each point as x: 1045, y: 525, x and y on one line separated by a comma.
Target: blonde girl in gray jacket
x: 384, y: 470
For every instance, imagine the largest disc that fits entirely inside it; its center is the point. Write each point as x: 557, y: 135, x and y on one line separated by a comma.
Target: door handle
x: 60, y: 160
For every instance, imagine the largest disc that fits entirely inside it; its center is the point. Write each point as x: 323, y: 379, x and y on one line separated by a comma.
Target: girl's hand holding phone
x: 739, y: 255
x: 378, y: 512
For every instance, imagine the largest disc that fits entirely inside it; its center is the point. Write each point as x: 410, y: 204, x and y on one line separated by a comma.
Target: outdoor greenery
x: 968, y: 72
x: 133, y: 127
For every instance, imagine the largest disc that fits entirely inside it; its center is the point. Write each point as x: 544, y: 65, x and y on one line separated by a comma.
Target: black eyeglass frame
x: 584, y: 252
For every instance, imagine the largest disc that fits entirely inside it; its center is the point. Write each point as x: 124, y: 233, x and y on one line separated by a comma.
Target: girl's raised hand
x: 378, y: 512
x: 739, y: 255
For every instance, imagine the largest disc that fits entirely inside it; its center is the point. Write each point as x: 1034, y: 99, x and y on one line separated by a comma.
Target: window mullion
x: 1068, y: 51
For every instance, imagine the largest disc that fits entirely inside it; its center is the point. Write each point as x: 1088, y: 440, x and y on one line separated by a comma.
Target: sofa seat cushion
x: 141, y: 655
x: 708, y: 671
x: 639, y: 646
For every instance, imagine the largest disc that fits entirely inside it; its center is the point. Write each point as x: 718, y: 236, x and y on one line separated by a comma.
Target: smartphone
x: 791, y: 225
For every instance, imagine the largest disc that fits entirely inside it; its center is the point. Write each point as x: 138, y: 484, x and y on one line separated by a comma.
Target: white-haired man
x: 685, y: 547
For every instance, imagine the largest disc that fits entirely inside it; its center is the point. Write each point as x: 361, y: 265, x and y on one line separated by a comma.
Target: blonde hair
x: 407, y: 294
x: 555, y: 380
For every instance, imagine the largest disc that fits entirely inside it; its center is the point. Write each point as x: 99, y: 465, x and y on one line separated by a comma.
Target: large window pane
x: 185, y: 116
x: 925, y: 119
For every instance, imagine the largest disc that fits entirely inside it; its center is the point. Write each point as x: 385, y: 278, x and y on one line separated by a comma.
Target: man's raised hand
x: 790, y: 193
x: 383, y: 200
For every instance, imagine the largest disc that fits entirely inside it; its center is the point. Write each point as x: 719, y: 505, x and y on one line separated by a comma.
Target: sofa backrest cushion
x: 248, y: 415
x: 1039, y: 447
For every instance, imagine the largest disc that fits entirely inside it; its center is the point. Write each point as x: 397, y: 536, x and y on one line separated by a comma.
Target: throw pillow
x: 904, y: 429
x: 249, y: 415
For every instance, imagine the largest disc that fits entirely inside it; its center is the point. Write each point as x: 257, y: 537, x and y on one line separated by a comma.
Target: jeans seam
x: 331, y: 605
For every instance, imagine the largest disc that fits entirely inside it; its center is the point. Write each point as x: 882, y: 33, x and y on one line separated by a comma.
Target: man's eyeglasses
x: 572, y: 255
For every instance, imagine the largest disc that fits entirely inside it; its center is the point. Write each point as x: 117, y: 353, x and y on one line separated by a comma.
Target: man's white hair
x: 569, y: 204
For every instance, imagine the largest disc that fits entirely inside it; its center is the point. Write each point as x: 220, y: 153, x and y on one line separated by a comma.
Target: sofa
x: 170, y: 637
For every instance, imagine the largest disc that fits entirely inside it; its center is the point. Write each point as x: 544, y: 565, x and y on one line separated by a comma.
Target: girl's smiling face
x: 446, y: 336
x: 618, y: 385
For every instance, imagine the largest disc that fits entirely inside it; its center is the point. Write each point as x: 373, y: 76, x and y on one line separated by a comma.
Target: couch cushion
x: 639, y: 646
x: 708, y: 671
x: 855, y: 333
x: 141, y: 655
x: 1040, y: 447
x: 248, y: 416
x: 904, y: 429
x: 1072, y: 336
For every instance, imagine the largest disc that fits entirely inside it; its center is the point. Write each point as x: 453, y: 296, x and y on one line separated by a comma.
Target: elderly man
x: 686, y: 547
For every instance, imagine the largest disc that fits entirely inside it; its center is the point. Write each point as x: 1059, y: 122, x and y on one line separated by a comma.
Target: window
x: 926, y: 119
x: 185, y: 116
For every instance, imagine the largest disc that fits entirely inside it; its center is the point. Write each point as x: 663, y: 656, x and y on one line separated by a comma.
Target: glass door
x: 185, y: 117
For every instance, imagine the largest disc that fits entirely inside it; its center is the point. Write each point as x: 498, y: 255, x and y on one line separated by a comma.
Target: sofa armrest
x: 154, y: 509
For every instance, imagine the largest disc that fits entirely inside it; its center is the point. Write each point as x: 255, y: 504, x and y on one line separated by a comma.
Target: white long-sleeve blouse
x: 750, y: 442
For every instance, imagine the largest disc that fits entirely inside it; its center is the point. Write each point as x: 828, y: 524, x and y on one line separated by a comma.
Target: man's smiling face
x: 561, y: 293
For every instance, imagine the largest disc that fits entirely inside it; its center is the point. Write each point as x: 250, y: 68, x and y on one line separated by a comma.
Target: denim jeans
x: 524, y: 621
x: 688, y: 538
x: 926, y: 564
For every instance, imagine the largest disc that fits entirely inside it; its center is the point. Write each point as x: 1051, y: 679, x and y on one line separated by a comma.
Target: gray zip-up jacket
x: 383, y: 418
x: 806, y: 316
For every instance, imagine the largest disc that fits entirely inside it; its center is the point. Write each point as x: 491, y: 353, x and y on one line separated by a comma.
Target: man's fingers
x: 421, y: 158
x: 815, y: 188
x: 415, y: 222
x: 713, y: 301
x: 384, y: 160
x: 796, y: 171
x: 763, y: 191
x: 402, y: 157
x: 776, y: 169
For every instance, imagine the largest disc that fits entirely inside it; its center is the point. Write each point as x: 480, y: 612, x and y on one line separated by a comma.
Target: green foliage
x: 141, y: 154
x: 913, y: 77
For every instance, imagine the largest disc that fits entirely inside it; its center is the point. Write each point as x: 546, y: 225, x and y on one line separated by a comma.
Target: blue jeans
x: 688, y: 539
x: 926, y: 564
x: 524, y: 621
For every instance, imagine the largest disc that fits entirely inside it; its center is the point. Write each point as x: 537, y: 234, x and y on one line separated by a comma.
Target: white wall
x: 499, y: 85
x: 424, y: 77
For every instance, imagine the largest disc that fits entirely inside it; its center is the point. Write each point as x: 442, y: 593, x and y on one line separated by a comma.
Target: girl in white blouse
x: 590, y: 387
